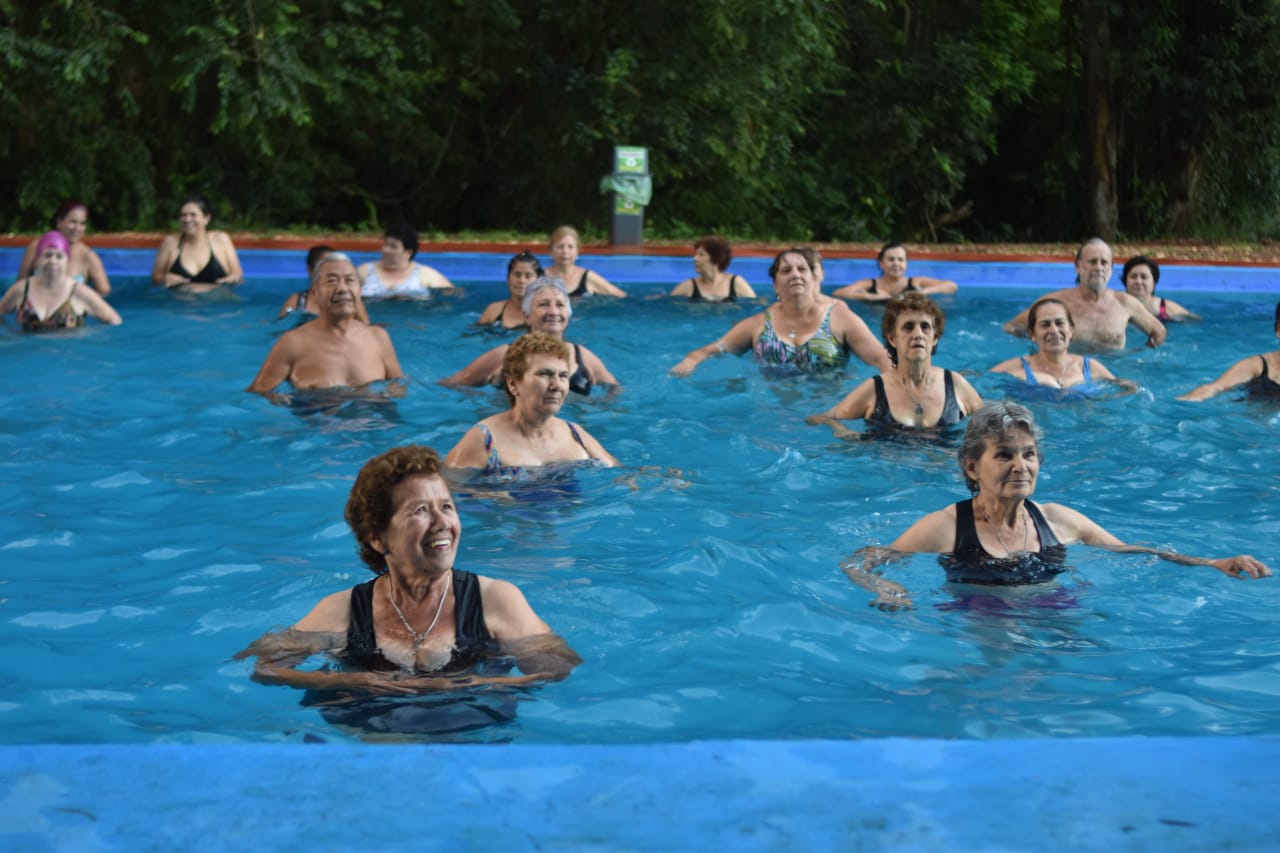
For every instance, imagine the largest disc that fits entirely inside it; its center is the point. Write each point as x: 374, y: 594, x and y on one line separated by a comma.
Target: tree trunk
x: 1098, y: 160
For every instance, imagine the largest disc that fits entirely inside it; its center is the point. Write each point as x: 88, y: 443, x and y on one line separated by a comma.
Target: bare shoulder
x: 332, y: 614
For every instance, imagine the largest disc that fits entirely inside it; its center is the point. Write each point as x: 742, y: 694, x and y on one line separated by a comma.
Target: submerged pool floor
x: 1098, y: 794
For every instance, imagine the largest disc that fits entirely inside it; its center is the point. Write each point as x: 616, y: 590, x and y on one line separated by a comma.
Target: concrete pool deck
x: 1171, y: 794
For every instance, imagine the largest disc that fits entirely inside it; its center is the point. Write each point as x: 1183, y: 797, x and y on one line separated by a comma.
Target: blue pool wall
x: 281, y: 269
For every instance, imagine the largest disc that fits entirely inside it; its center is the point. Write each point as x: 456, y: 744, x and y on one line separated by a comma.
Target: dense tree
x: 809, y: 119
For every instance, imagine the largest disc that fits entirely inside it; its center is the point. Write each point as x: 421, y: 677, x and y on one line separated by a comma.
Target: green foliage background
x: 798, y: 119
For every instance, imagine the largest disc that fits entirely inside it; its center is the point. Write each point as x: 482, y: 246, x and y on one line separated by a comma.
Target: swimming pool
x: 158, y: 519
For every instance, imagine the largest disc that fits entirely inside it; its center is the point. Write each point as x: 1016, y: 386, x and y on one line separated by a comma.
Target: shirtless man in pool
x: 336, y: 349
x: 1101, y: 316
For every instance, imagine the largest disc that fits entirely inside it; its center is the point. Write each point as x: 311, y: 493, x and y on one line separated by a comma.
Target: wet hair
x: 516, y: 361
x: 65, y: 208
x: 1048, y: 300
x: 199, y: 201
x: 525, y: 257
x: 1139, y: 261
x: 993, y: 421
x: 892, y: 244
x: 406, y: 235
x: 315, y: 254
x: 717, y: 249
x: 540, y: 283
x: 811, y: 258
x: 900, y: 305
x: 369, y: 507
x: 562, y: 232
x: 324, y: 259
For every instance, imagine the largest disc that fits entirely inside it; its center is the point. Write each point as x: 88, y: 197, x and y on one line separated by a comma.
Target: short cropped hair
x: 910, y: 301
x: 717, y: 249
x: 993, y: 421
x: 406, y: 235
x: 516, y: 361
x: 1140, y: 261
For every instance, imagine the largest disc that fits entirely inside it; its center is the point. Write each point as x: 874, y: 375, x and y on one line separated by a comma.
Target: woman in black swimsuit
x: 1260, y: 374
x: 197, y: 259
x: 999, y: 537
x: 420, y: 621
x: 711, y: 256
x: 893, y: 280
x: 564, y: 266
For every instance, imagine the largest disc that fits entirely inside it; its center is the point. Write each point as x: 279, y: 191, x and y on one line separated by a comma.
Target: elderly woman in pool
x: 713, y: 282
x: 1050, y: 326
x: 564, y: 266
x: 84, y: 265
x: 893, y: 280
x: 1260, y: 374
x: 803, y: 330
x: 508, y: 314
x: 529, y: 435
x: 196, y: 260
x: 1140, y: 277
x: 420, y: 623
x: 51, y: 298
x: 913, y: 394
x: 396, y: 275
x: 547, y: 307
x: 1000, y: 537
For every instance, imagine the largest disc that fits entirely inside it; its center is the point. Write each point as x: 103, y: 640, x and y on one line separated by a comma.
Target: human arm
x: 935, y: 533
x: 11, y: 298
x: 860, y: 290
x: 522, y: 634
x: 1144, y: 319
x: 277, y: 366
x: 469, y: 452
x: 1018, y: 325
x: 1012, y: 366
x: 857, y: 337
x: 165, y: 256
x: 595, y: 449
x: 737, y: 340
x: 431, y: 277
x: 597, y: 283
x: 95, y: 272
x: 1177, y: 312
x: 966, y: 395
x: 1239, y: 373
x: 934, y: 286
x: 230, y: 260
x: 684, y: 288
x: 492, y: 313
x: 483, y: 371
x: 858, y: 403
x: 290, y: 305
x: 599, y: 374
x: 390, y: 363
x: 97, y: 306
x: 1073, y: 526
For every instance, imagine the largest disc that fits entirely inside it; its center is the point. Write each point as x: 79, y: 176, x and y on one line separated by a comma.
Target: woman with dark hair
x: 396, y: 275
x: 804, y: 330
x: 508, y: 314
x: 529, y: 435
x: 711, y: 256
x: 197, y: 260
x: 1140, y: 277
x: 1050, y: 326
x: 420, y: 624
x: 1260, y: 374
x: 1000, y: 537
x: 913, y: 394
x: 893, y: 280
x: 84, y: 266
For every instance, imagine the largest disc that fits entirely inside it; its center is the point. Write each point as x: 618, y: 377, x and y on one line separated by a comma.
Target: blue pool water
x: 157, y: 519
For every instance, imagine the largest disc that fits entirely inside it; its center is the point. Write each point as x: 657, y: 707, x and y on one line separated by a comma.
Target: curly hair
x: 900, y: 305
x: 516, y: 361
x: 369, y: 507
x: 717, y: 249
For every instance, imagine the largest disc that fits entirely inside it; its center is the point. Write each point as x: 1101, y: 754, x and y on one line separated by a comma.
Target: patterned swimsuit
x: 821, y: 352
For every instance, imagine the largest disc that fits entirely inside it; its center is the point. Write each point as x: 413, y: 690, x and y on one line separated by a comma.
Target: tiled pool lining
x: 1102, y: 794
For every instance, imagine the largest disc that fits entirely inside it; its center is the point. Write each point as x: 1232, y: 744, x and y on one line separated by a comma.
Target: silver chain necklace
x: 419, y: 639
x: 1026, y: 533
x: 924, y: 392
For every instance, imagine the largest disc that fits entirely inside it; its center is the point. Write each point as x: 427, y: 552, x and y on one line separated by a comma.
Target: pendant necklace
x: 1062, y: 376
x: 419, y: 639
x: 924, y: 392
x: 996, y: 529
